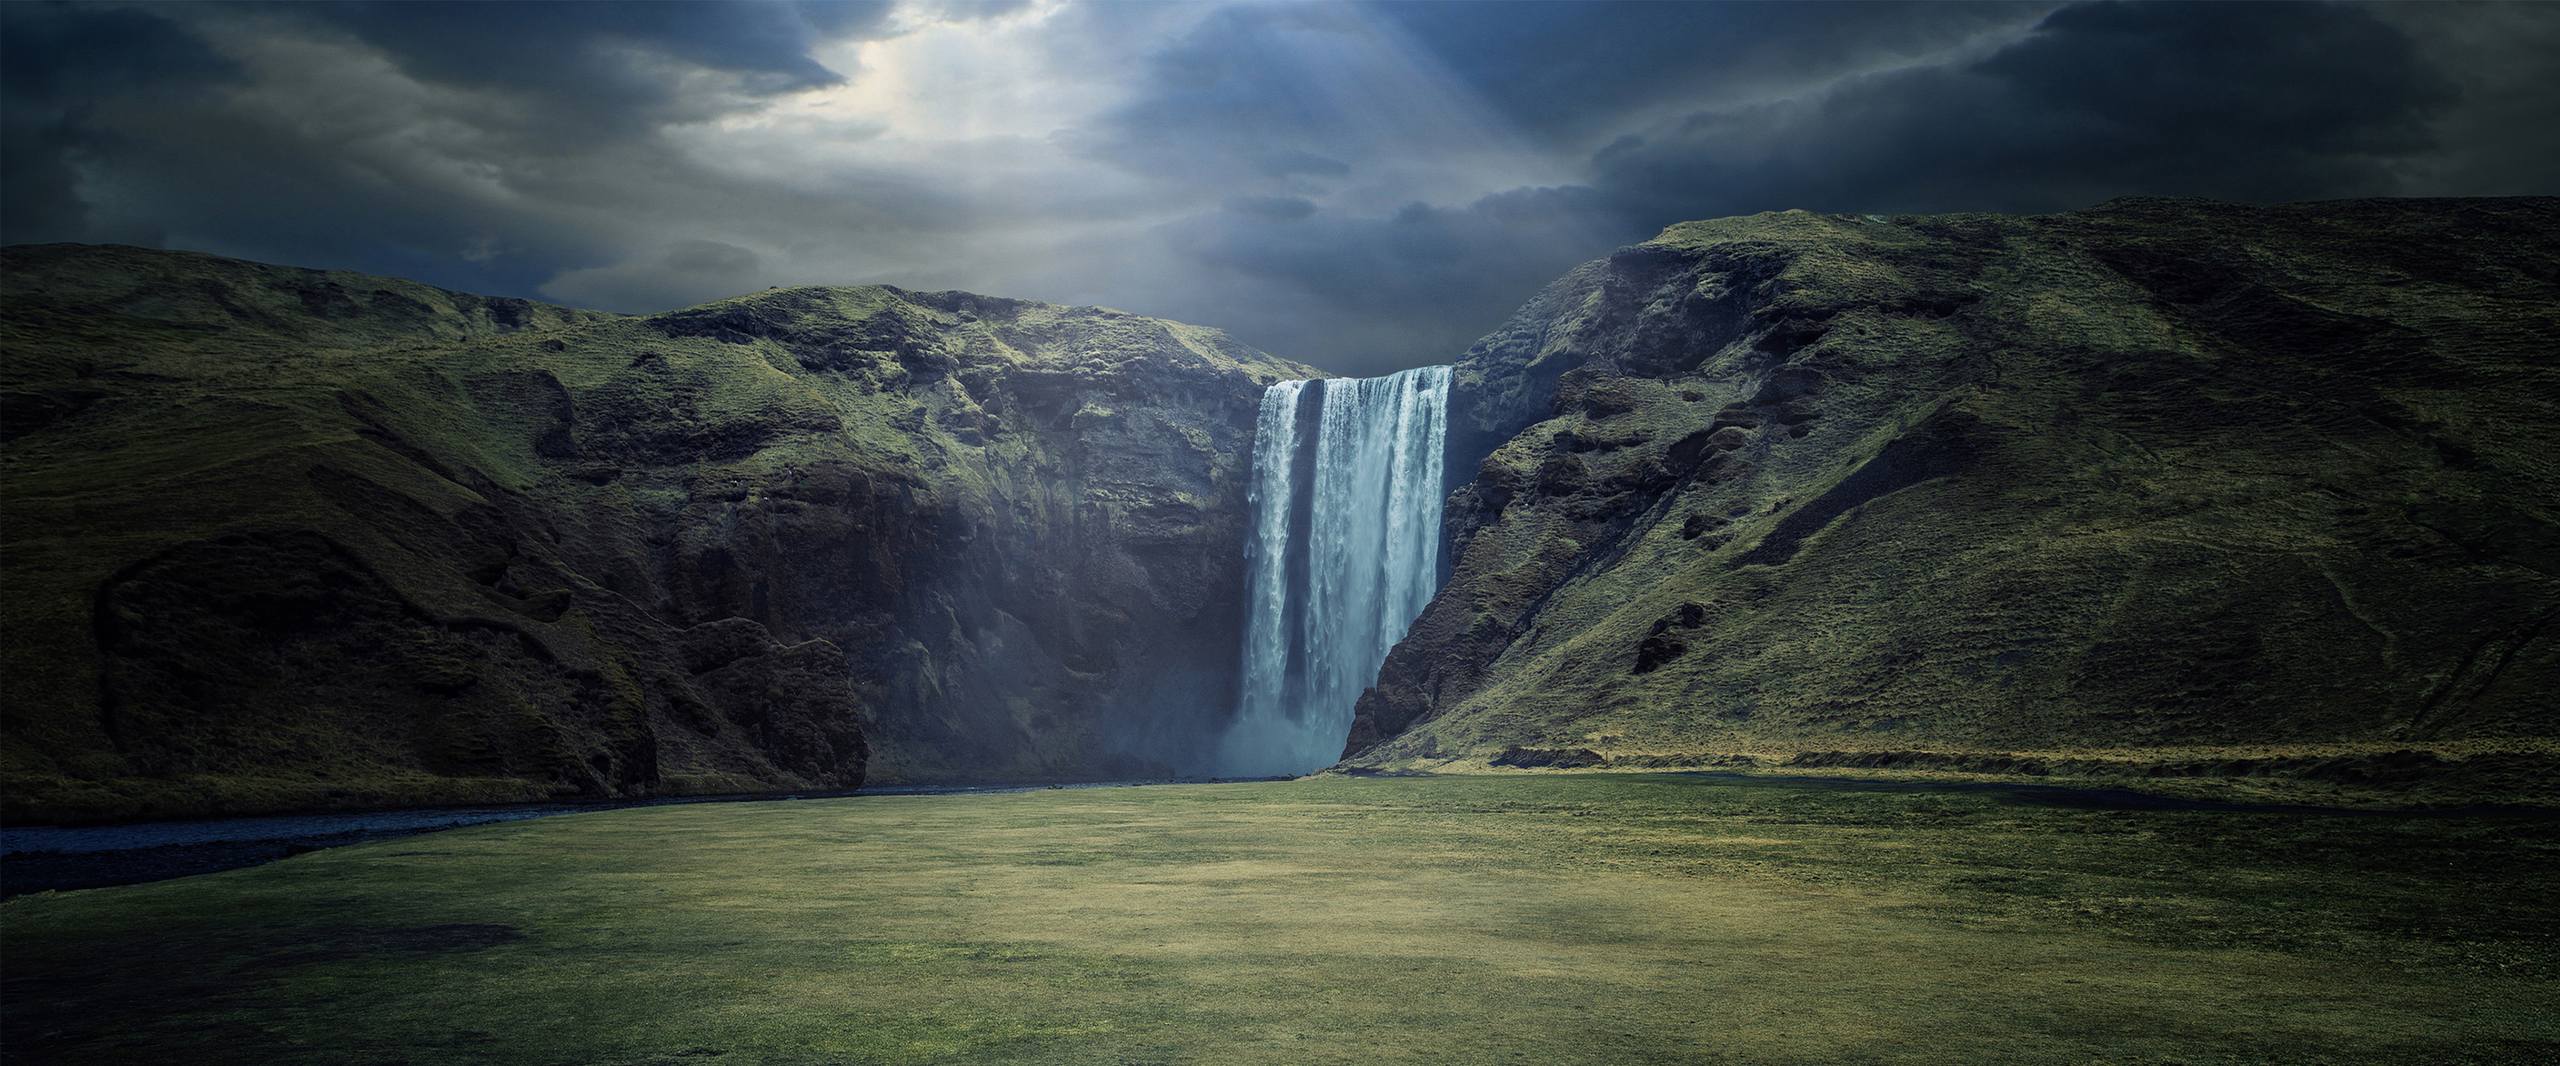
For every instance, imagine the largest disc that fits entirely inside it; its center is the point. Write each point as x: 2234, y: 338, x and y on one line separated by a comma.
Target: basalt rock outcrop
x: 2156, y: 474
x: 283, y: 539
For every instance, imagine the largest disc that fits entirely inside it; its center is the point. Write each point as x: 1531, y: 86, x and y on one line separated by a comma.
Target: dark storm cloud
x: 1259, y: 92
x: 52, y: 51
x: 2505, y: 59
x: 577, y: 59
x: 2241, y: 101
x: 53, y: 58
x: 456, y: 143
x: 1361, y: 186
x: 1385, y: 213
x: 1563, y: 67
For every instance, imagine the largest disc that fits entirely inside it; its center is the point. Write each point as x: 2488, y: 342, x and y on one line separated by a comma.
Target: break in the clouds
x: 1361, y: 186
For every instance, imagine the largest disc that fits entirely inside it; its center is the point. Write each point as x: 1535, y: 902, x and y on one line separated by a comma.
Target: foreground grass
x: 1537, y: 918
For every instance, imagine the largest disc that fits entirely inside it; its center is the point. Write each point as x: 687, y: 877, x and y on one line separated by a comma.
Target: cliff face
x: 282, y: 538
x: 2157, y: 474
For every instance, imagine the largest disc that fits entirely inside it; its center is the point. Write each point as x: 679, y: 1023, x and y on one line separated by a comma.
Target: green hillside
x: 282, y: 538
x: 2187, y: 486
x: 2163, y: 487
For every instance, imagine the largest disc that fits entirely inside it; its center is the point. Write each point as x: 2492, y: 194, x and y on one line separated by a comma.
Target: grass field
x: 1530, y: 918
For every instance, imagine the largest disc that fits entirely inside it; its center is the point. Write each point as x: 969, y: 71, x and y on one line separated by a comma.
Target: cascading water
x: 1345, y: 553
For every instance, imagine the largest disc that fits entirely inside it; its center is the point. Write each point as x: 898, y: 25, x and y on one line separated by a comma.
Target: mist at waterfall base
x: 1343, y: 554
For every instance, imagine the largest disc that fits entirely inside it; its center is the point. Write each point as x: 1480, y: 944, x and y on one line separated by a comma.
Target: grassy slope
x: 1554, y: 918
x: 2161, y: 480
x: 561, y: 509
x: 157, y: 398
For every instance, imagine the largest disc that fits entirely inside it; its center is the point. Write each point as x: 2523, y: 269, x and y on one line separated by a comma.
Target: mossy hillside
x: 1552, y: 918
x: 150, y: 398
x: 1085, y: 477
x: 2163, y: 475
x: 457, y: 554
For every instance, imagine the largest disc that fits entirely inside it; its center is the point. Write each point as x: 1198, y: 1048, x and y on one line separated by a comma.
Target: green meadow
x: 1534, y: 918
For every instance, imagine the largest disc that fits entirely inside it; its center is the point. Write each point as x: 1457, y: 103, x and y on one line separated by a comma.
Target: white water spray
x: 1345, y: 554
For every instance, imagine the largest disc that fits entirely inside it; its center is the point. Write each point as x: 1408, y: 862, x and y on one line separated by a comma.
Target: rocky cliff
x: 2158, y: 475
x: 2162, y: 481
x: 283, y: 538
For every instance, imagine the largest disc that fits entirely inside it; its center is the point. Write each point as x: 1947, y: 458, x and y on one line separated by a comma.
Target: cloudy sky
x: 1360, y: 186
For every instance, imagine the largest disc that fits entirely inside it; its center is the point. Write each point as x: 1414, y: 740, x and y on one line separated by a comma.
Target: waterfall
x: 1345, y: 552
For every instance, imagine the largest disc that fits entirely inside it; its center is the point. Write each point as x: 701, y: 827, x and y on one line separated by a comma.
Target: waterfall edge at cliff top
x: 1344, y: 553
